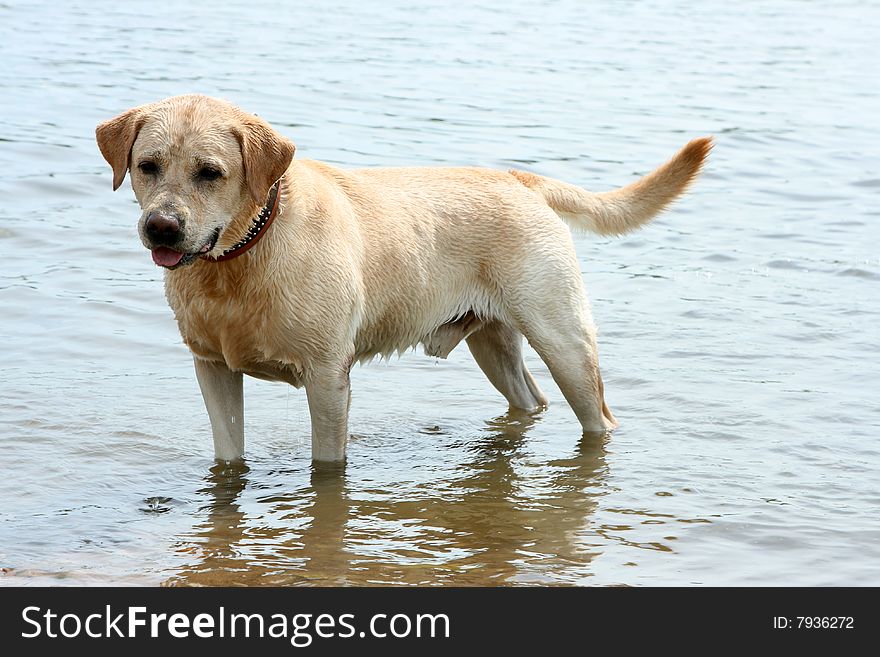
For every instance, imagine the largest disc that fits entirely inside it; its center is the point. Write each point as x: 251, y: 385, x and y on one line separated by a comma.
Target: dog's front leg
x: 329, y: 393
x: 224, y: 398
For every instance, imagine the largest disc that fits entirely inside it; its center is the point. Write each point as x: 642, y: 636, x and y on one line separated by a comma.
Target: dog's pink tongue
x: 166, y: 257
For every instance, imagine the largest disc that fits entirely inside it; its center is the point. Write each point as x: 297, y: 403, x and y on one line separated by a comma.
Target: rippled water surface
x: 739, y: 332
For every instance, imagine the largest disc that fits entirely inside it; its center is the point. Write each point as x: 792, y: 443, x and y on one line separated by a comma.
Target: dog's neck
x: 259, y: 225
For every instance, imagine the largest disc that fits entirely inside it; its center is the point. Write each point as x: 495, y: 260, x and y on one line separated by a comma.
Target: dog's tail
x: 625, y: 209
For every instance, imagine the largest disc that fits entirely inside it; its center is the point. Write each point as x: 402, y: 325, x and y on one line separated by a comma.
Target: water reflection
x: 222, y: 532
x: 499, y: 519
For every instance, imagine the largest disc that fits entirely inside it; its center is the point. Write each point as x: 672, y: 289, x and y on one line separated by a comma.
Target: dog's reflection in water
x: 502, y: 521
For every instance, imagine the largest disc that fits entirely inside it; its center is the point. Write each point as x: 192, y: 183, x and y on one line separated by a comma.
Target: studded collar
x: 258, y: 227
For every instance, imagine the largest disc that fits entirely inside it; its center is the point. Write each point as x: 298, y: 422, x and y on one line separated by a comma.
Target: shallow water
x: 738, y: 333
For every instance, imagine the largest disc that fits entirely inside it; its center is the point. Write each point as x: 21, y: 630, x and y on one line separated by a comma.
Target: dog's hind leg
x: 497, y: 348
x: 567, y: 344
x: 222, y: 390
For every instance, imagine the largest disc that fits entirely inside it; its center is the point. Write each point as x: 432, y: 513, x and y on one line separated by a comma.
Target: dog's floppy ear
x: 115, y: 139
x: 265, y: 154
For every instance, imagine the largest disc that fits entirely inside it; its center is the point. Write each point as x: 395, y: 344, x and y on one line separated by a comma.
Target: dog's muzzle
x: 164, y: 232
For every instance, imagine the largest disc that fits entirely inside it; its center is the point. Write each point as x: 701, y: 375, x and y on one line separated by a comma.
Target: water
x: 738, y: 333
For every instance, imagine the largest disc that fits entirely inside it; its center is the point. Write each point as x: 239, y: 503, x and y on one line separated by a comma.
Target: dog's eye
x: 209, y: 173
x: 148, y: 167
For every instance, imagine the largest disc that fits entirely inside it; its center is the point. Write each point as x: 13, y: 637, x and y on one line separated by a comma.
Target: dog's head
x: 197, y: 165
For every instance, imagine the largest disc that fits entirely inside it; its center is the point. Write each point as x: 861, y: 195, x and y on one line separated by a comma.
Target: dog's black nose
x: 162, y: 228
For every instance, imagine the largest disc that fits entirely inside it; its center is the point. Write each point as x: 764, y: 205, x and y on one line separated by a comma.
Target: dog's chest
x: 238, y: 330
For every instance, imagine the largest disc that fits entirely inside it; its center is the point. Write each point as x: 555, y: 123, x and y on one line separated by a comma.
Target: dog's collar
x: 258, y: 227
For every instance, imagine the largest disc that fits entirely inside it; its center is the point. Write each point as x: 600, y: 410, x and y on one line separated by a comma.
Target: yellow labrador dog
x: 294, y: 270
